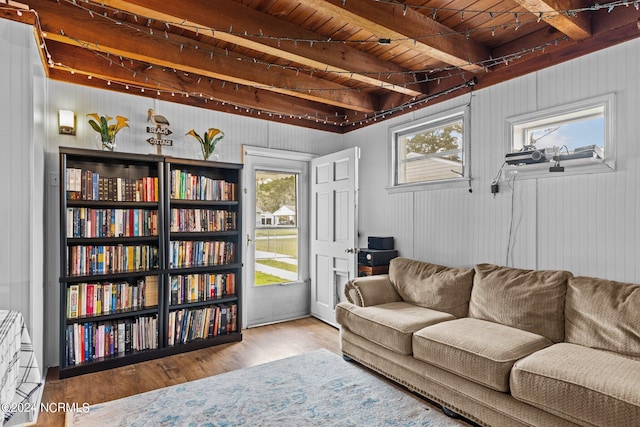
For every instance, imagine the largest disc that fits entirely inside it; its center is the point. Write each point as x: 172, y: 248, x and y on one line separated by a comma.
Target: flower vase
x: 105, y: 145
x: 213, y: 156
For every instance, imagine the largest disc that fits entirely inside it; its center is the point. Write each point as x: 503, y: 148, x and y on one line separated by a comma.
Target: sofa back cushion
x: 432, y: 286
x: 530, y: 300
x: 604, y: 314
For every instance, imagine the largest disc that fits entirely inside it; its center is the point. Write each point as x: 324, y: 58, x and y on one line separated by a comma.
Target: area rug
x: 317, y: 388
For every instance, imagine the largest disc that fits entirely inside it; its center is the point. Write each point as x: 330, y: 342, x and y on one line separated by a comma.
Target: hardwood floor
x: 259, y: 345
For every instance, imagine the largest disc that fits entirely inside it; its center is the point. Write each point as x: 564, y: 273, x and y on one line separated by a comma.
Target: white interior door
x: 334, y: 215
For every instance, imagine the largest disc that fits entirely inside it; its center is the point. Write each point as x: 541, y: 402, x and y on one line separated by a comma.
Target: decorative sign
x: 161, y: 131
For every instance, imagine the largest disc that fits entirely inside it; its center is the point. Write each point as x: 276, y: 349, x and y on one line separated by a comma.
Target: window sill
x: 571, y: 167
x: 424, y: 186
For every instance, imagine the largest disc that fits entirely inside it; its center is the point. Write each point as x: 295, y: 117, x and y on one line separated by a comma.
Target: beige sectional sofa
x: 501, y: 346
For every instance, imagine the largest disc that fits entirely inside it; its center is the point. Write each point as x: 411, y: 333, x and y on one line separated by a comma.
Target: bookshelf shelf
x: 197, y: 304
x: 203, y: 269
x: 75, y: 241
x: 120, y: 314
x: 201, y: 235
x: 121, y: 230
x: 111, y: 204
x: 207, y: 203
x: 109, y: 276
x: 199, y: 343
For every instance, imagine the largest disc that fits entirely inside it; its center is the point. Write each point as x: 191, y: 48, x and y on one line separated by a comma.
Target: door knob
x: 352, y: 250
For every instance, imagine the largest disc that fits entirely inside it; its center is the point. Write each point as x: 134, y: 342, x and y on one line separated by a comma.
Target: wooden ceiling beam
x: 407, y: 27
x: 626, y: 28
x: 235, y: 23
x: 553, y: 12
x: 67, y: 24
x: 66, y: 77
x: 175, y: 86
x: 17, y: 14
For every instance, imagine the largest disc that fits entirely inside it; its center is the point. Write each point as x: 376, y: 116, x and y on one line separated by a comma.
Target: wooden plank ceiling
x: 334, y: 65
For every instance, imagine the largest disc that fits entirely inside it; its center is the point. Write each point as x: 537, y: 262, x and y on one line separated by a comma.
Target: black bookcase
x: 150, y: 257
x: 204, y: 259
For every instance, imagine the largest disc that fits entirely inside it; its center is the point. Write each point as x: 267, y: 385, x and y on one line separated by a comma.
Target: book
x: 174, y: 289
x: 72, y: 301
x: 90, y: 291
x: 212, y: 322
x: 71, y: 360
x: 151, y: 291
x: 171, y: 328
x: 233, y: 318
x: 121, y: 338
x: 129, y: 343
x: 224, y: 319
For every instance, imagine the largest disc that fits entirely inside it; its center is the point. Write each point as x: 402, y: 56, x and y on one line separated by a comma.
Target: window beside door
x: 276, y: 228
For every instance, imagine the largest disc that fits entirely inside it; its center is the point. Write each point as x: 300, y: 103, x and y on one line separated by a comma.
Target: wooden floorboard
x: 259, y: 345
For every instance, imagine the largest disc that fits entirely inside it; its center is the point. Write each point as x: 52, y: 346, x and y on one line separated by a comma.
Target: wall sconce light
x: 66, y: 122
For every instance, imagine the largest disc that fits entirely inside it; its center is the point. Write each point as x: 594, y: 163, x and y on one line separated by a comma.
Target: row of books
x: 88, y: 185
x: 208, y: 322
x: 97, y: 299
x: 198, y: 253
x: 202, y: 220
x: 88, y: 222
x: 201, y: 287
x: 86, y: 342
x: 97, y: 259
x: 186, y: 186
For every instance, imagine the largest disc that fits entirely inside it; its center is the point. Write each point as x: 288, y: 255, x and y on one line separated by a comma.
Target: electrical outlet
x: 54, y: 179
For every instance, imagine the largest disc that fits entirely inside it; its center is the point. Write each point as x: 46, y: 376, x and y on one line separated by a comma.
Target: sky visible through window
x: 572, y: 135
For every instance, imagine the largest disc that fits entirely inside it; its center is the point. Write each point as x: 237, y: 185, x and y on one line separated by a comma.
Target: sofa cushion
x: 531, y: 300
x: 603, y: 314
x: 390, y: 325
x: 432, y: 286
x: 588, y: 386
x: 371, y: 290
x: 480, y: 351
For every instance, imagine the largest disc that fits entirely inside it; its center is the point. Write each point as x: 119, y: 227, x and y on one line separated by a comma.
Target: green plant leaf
x: 95, y: 126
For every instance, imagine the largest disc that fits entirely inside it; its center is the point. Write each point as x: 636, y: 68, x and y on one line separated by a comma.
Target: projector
x: 525, y: 157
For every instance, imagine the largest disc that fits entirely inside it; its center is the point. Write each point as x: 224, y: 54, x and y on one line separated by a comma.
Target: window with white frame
x: 430, y: 151
x: 578, y: 136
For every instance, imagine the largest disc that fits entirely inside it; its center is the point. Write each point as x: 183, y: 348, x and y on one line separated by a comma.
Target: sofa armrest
x: 371, y: 290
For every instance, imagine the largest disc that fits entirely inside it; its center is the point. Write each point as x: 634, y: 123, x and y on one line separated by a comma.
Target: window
x: 276, y: 228
x: 576, y: 136
x: 430, y: 152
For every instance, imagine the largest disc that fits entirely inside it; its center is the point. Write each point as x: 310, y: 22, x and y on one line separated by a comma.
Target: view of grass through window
x: 276, y: 237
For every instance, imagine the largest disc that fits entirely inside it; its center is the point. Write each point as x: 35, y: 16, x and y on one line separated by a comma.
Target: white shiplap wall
x: 586, y: 224
x: 21, y: 179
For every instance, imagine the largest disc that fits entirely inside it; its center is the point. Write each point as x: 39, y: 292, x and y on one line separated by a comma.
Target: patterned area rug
x: 313, y: 389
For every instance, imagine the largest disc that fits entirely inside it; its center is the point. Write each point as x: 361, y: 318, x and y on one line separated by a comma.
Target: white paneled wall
x: 586, y: 224
x: 238, y: 130
x: 21, y: 180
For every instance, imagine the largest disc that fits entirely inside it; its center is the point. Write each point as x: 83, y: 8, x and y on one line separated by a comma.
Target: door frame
x: 248, y: 193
